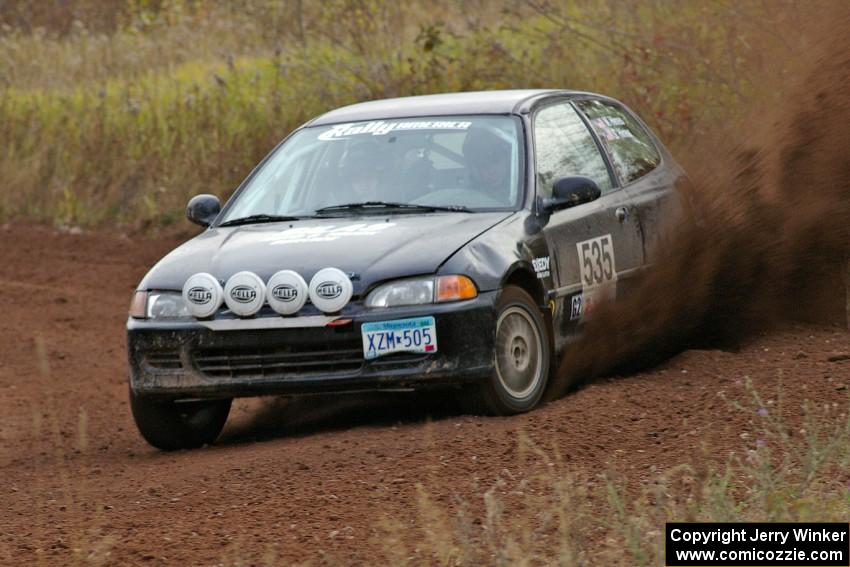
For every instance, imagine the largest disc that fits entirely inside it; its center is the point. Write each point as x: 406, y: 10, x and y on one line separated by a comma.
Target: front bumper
x: 234, y: 358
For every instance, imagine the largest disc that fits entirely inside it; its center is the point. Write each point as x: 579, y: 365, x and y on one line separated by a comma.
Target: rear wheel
x: 171, y: 425
x: 522, y: 356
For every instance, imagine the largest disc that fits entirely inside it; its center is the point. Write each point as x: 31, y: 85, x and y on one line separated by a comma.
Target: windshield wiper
x: 383, y: 205
x: 257, y: 219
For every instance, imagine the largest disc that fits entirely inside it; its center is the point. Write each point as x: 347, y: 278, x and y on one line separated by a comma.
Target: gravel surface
x: 313, y: 477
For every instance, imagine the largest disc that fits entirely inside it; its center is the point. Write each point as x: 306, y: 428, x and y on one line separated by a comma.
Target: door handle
x: 622, y: 214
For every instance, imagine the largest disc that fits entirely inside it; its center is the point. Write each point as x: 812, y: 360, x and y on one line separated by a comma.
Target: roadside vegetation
x: 117, y: 112
x: 792, y: 466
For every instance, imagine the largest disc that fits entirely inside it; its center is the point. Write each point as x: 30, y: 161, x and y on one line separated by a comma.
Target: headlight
x: 166, y: 305
x: 404, y: 292
x: 422, y: 290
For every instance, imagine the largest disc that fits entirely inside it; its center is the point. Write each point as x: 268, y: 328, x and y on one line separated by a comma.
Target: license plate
x: 402, y: 335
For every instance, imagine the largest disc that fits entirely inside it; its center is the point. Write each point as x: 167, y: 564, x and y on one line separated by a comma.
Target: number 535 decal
x: 596, y: 257
x: 598, y: 275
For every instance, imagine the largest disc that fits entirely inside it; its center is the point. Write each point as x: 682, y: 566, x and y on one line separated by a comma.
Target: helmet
x: 483, y: 147
x: 488, y: 161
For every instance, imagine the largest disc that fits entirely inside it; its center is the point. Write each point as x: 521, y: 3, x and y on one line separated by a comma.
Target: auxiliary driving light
x: 203, y: 295
x: 330, y: 290
x: 286, y: 292
x: 245, y: 293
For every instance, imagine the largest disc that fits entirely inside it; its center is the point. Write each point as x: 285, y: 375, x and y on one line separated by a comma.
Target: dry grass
x: 782, y: 473
x: 123, y: 120
x: 168, y: 99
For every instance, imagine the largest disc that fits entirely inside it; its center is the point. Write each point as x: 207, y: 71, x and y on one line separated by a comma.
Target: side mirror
x: 202, y: 209
x: 571, y: 191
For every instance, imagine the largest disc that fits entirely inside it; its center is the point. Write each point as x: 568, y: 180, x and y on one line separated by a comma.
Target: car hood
x: 369, y: 248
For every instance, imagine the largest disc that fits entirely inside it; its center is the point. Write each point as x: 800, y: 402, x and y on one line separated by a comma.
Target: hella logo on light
x: 243, y: 294
x: 285, y: 293
x: 329, y: 290
x: 199, y: 295
x: 203, y: 295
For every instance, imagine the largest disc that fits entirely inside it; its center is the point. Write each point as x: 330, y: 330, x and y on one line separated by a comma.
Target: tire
x: 522, y: 356
x: 170, y: 425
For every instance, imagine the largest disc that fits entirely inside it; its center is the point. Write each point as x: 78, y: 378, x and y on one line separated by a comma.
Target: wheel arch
x: 522, y: 275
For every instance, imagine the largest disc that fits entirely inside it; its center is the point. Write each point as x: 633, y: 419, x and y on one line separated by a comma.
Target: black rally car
x: 447, y: 240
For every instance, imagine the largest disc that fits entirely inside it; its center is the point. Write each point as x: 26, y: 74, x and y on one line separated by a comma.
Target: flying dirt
x: 313, y: 480
x: 768, y: 235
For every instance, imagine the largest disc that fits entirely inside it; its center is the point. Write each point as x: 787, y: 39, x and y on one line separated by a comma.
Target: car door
x: 648, y: 177
x: 593, y: 245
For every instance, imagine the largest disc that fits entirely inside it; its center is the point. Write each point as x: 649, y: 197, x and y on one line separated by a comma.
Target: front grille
x: 164, y: 360
x: 279, y: 360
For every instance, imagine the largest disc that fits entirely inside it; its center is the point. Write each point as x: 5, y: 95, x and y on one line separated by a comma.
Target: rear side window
x: 564, y: 147
x: 632, y: 152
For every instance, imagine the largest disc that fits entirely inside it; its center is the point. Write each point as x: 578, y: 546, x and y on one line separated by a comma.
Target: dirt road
x: 311, y: 478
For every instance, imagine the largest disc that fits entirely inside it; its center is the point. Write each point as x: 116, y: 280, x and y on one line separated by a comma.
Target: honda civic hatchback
x: 457, y: 241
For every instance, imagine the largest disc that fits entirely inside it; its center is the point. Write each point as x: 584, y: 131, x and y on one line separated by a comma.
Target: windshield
x: 463, y: 162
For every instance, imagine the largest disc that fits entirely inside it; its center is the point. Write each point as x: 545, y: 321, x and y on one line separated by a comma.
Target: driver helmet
x: 488, y: 157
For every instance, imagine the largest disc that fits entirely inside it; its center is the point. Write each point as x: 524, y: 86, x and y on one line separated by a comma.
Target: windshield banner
x: 382, y: 128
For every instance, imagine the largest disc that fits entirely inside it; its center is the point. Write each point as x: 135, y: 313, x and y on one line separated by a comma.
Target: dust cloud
x: 770, y: 233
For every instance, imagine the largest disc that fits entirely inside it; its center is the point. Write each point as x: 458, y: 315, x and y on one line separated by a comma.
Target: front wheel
x: 522, y: 355
x: 173, y: 425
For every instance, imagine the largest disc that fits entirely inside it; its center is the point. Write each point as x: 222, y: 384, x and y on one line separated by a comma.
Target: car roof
x: 481, y: 102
